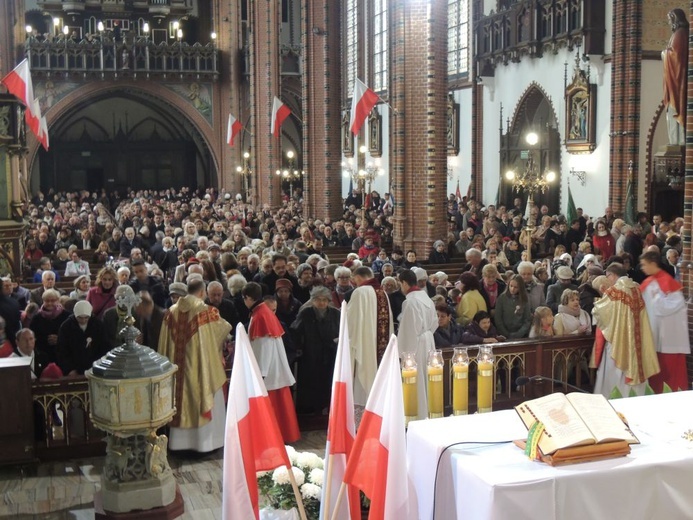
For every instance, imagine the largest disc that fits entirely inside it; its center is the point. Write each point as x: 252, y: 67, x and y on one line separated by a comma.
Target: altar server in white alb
x: 417, y: 324
x: 666, y: 308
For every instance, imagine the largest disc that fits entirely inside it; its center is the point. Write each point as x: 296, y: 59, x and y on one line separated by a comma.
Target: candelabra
x: 531, y: 180
x: 245, y: 172
x: 363, y: 178
x: 290, y: 174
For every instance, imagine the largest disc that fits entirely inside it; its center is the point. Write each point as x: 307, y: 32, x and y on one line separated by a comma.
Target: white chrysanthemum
x: 292, y: 453
x: 310, y: 491
x: 280, y: 476
x: 262, y: 473
x: 299, y: 476
x: 316, y: 476
x: 309, y: 460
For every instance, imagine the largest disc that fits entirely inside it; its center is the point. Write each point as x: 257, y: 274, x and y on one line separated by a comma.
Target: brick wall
x: 321, y: 101
x: 625, y: 98
x: 418, y: 152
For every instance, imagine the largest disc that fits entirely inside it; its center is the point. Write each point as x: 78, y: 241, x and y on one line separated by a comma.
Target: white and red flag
x: 233, y: 129
x: 362, y: 102
x: 18, y: 82
x: 340, y: 433
x: 280, y: 112
x: 253, y: 440
x: 378, y: 461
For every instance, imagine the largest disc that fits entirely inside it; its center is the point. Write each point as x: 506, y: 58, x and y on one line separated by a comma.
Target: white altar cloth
x: 478, y: 481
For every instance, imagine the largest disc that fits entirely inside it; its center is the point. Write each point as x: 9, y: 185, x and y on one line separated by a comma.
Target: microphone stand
x: 523, y: 380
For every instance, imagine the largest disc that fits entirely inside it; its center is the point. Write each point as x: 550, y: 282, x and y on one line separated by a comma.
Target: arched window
x: 458, y: 37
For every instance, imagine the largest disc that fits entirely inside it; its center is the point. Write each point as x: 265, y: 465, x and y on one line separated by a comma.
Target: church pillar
x: 322, y: 95
x: 418, y: 153
x: 12, y: 34
x: 233, y: 92
x: 12, y: 176
x: 626, y: 67
x: 477, y: 179
x: 265, y: 84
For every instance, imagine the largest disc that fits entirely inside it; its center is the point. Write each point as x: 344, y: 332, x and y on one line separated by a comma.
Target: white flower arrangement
x: 309, y: 460
x: 277, y: 492
x: 310, y: 491
x: 316, y: 476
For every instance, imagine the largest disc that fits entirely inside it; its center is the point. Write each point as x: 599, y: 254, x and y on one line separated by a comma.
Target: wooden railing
x: 63, y: 428
x: 563, y: 358
x: 534, y: 27
x: 61, y: 407
x: 107, y: 56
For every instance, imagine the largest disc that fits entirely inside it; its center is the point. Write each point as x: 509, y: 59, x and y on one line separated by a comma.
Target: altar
x: 483, y: 480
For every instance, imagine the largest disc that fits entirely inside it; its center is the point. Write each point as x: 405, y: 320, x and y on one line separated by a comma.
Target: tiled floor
x: 57, y: 491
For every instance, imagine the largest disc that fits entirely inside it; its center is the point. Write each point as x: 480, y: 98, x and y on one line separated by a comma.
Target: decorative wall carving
x: 580, y: 107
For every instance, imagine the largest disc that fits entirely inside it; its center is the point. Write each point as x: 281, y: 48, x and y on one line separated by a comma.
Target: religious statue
x: 675, y: 60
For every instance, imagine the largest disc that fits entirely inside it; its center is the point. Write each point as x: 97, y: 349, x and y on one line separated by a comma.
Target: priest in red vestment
x: 265, y: 333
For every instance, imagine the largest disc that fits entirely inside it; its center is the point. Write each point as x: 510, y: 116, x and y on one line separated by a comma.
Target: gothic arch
x: 534, y: 112
x: 165, y: 99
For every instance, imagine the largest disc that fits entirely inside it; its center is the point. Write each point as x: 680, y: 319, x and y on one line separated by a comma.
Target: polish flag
x: 43, y: 135
x: 340, y: 433
x: 32, y: 116
x: 279, y: 113
x: 253, y: 440
x: 458, y: 194
x: 233, y: 129
x: 18, y: 82
x: 377, y: 465
x: 362, y: 102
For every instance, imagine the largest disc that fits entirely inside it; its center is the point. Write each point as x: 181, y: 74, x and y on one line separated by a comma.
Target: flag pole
x: 394, y: 110
x: 328, y: 486
x: 339, y: 501
x: 297, y: 494
x: 247, y: 131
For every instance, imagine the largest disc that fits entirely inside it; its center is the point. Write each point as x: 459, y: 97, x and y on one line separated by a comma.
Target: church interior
x: 563, y: 104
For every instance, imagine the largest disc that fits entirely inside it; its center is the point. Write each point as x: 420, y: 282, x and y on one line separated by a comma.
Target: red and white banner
x: 253, y: 440
x: 378, y: 461
x: 233, y: 129
x: 340, y: 433
x: 18, y: 83
x: 362, y: 102
x: 279, y: 113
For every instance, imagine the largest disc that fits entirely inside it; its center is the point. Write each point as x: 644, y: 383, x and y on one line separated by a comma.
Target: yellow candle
x: 484, y: 387
x: 435, y: 392
x: 411, y: 403
x: 460, y: 389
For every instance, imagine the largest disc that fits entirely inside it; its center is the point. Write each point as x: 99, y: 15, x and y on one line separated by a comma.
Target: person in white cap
x: 564, y: 274
x: 81, y: 340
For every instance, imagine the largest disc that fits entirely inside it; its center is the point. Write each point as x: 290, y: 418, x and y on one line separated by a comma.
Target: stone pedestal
x: 169, y: 512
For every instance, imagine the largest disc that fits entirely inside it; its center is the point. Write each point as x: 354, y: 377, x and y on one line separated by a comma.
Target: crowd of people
x: 184, y: 247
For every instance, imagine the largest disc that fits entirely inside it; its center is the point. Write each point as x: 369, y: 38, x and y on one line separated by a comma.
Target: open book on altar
x: 573, y: 420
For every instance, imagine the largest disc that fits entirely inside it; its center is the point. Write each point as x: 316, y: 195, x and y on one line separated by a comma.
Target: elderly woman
x: 304, y: 273
x: 315, y: 332
x: 235, y: 285
x: 439, y: 253
x: 287, y: 304
x: 81, y: 285
x: 46, y: 324
x: 102, y: 295
x: 570, y: 318
x: 491, y: 286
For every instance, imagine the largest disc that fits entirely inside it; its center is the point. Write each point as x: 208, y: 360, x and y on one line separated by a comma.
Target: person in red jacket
x: 603, y: 240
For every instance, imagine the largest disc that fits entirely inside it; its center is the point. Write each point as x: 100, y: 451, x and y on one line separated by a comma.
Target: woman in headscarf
x: 46, y: 324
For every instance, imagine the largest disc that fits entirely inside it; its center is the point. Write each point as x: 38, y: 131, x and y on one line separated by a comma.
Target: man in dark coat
x: 315, y: 332
x: 227, y: 309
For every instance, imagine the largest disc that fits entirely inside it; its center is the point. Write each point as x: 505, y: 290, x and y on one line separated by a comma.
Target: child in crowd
x: 481, y: 330
x: 542, y: 323
x: 378, y: 263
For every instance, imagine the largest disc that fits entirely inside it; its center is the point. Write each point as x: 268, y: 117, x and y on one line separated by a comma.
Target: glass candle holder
x: 460, y: 381
x: 435, y: 384
x: 484, y: 379
x: 409, y: 394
